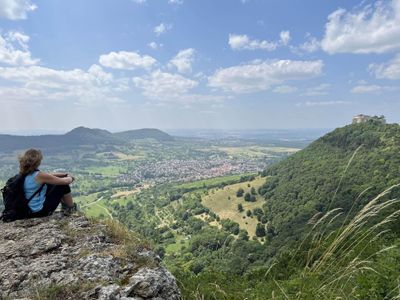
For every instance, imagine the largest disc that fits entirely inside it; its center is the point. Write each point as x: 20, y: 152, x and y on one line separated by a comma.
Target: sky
x: 224, y: 64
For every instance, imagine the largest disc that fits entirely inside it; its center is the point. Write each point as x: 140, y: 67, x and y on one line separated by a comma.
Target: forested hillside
x: 332, y: 229
x: 332, y: 172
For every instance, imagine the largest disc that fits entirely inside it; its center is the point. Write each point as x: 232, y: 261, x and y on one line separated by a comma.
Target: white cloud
x: 318, y: 90
x: 126, y: 60
x: 310, y: 45
x: 175, y: 1
x: 322, y: 103
x: 169, y: 1
x: 366, y: 89
x: 14, y: 49
x: 163, y: 86
x: 389, y: 70
x: 162, y: 28
x: 183, y: 60
x: 285, y: 89
x: 371, y: 29
x: 155, y: 46
x: 18, y: 37
x: 373, y: 89
x: 169, y: 87
x: 36, y: 83
x: 15, y: 9
x: 261, y: 75
x: 243, y: 42
x: 285, y: 37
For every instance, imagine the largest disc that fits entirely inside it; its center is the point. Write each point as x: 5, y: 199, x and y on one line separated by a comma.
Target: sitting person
x: 50, y: 189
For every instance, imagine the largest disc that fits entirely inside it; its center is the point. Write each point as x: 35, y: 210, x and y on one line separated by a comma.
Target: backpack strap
x: 37, y: 192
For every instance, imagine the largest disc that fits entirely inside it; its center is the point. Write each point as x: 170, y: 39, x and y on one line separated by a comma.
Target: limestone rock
x: 74, y: 258
x: 152, y: 283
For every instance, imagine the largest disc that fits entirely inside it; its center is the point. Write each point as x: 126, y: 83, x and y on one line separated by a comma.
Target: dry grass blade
x: 343, y: 175
x: 371, y: 209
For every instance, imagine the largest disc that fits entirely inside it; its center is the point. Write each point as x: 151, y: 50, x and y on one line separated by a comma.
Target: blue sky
x: 122, y: 64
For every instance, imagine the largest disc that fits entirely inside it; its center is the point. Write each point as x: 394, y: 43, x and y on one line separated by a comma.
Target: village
x: 190, y: 170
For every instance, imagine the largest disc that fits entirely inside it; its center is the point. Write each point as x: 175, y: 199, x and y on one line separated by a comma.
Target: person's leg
x: 68, y: 206
x: 55, y: 194
x: 67, y: 200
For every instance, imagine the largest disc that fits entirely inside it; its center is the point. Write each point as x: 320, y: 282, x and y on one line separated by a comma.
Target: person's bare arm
x: 60, y: 175
x: 51, y: 179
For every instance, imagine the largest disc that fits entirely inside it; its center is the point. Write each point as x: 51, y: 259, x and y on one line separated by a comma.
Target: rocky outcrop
x: 74, y: 258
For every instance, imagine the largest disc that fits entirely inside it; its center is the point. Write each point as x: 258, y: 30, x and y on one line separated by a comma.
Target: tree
x: 248, y: 213
x: 260, y: 230
x: 230, y: 226
x: 243, y: 235
x: 240, y: 207
x: 247, y: 197
x: 253, y: 191
x: 197, y: 266
x: 258, y: 212
x: 239, y: 193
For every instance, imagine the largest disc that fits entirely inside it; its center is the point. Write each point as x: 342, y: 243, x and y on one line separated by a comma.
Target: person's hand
x: 71, y: 179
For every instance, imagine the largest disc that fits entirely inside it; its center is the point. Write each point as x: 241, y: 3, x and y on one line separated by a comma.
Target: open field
x: 210, y: 182
x: 111, y: 170
x: 123, y: 156
x: 127, y: 193
x: 255, y: 151
x: 93, y: 205
x: 224, y: 203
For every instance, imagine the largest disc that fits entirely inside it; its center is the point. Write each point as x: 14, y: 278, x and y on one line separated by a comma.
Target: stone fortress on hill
x: 365, y: 118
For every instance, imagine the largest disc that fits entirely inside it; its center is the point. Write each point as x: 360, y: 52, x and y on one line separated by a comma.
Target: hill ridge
x: 79, y: 136
x: 305, y: 183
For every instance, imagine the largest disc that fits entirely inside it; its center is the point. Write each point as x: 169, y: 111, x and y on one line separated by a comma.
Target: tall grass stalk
x: 338, y: 257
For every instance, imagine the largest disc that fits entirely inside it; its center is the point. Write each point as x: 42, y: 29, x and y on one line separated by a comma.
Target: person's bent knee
x: 66, y: 189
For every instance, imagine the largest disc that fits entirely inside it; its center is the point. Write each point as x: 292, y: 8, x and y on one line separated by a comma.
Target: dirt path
x: 106, y: 209
x: 91, y: 203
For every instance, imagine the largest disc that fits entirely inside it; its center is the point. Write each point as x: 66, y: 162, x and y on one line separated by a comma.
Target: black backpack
x: 15, y: 204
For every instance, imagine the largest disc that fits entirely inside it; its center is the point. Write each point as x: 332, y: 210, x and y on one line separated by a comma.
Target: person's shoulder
x: 40, y: 175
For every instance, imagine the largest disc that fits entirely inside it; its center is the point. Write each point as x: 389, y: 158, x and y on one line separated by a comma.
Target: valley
x: 229, y: 209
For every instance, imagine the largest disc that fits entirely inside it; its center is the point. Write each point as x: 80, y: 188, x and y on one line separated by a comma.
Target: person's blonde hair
x: 30, y: 161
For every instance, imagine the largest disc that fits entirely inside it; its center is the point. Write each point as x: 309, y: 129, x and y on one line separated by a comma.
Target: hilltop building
x: 364, y: 118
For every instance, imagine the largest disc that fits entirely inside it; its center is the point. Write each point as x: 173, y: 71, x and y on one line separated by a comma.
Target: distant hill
x: 77, y: 137
x: 84, y: 136
x: 305, y: 183
x: 144, y: 133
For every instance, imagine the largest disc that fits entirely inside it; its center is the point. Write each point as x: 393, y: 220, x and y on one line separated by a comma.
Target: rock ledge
x: 74, y: 258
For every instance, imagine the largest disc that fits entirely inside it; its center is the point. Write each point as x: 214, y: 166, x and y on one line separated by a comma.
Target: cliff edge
x: 77, y: 258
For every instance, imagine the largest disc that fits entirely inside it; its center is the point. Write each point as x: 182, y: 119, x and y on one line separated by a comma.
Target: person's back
x: 46, y: 190
x: 30, y: 187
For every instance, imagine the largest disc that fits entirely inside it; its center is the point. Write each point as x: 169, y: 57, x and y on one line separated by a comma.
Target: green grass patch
x: 210, y: 182
x: 111, y: 170
x: 180, y: 241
